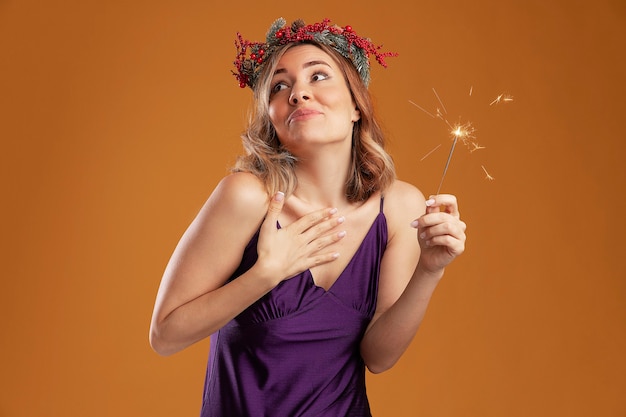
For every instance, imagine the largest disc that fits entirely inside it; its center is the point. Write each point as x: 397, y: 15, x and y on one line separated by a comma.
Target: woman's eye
x: 278, y: 86
x: 319, y: 76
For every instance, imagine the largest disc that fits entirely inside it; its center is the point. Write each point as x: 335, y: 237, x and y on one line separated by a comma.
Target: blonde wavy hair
x: 372, y: 168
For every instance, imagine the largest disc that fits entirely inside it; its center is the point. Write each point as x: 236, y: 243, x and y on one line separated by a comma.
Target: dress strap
x: 382, y: 200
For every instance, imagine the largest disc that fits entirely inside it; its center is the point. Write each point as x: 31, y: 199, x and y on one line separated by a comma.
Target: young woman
x: 305, y: 266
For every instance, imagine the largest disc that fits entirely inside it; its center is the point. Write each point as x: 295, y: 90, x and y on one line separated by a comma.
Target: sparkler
x: 463, y: 132
x: 445, y: 169
x: 459, y: 132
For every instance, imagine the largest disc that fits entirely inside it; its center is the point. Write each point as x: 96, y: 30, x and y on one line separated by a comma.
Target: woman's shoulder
x: 243, y: 183
x: 241, y: 193
x: 403, y: 194
x: 403, y: 203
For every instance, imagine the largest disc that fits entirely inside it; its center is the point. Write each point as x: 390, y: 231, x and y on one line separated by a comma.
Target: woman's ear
x: 356, y: 115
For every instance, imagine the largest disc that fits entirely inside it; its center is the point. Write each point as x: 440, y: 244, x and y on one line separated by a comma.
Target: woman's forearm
x: 391, y: 333
x: 204, y: 315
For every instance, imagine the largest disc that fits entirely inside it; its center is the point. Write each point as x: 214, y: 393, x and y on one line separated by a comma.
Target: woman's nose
x: 298, y: 96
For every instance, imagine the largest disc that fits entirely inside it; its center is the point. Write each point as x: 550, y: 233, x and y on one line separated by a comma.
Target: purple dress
x: 295, y: 351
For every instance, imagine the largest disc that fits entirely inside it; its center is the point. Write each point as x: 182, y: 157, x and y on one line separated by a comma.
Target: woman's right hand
x: 303, y: 244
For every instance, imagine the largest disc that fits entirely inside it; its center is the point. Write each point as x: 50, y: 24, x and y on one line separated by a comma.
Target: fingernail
x: 414, y: 223
x: 332, y: 211
x: 280, y: 196
x: 341, y: 234
x: 430, y: 202
x: 341, y: 219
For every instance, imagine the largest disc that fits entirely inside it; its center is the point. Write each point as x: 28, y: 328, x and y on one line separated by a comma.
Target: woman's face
x: 310, y: 102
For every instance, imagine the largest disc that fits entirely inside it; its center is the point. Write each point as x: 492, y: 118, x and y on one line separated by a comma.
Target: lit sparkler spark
x: 440, y: 102
x: 475, y: 147
x: 462, y: 132
x: 433, y: 150
x: 422, y: 109
x: 465, y: 133
x: 489, y: 177
x: 502, y: 98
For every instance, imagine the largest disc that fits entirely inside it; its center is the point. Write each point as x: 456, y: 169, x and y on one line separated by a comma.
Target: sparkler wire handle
x: 445, y: 169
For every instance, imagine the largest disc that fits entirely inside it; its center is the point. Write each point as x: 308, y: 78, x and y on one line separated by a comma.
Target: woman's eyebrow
x: 312, y: 63
x: 305, y: 65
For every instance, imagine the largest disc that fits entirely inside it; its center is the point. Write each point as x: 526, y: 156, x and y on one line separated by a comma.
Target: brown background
x: 118, y: 118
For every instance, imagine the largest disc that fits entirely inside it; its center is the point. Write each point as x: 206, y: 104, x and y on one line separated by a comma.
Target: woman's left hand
x: 440, y: 232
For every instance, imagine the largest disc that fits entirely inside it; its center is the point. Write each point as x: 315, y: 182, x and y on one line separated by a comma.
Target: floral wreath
x: 252, y: 56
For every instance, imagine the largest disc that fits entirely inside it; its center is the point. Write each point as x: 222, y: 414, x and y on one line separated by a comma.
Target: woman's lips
x: 301, y: 114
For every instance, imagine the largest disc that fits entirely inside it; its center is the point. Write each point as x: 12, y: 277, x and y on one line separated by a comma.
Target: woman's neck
x: 322, y: 182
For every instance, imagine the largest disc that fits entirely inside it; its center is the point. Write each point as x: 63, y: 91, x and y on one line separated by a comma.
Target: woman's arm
x: 411, y: 269
x: 193, y: 300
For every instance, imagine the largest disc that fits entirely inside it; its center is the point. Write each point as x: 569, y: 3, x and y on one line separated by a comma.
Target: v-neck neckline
x: 310, y: 275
